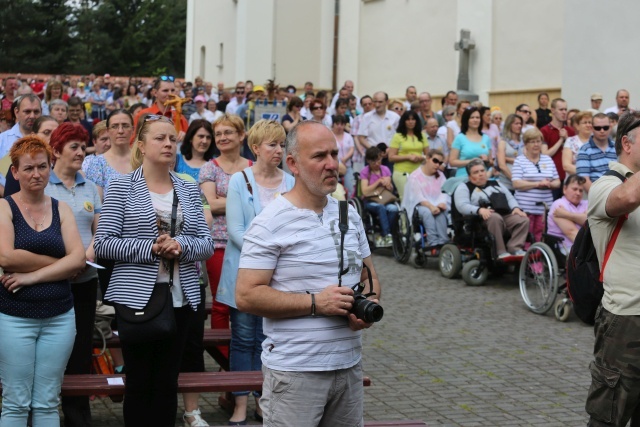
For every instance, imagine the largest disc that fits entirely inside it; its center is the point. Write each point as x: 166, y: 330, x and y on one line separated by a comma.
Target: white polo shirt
x: 379, y: 129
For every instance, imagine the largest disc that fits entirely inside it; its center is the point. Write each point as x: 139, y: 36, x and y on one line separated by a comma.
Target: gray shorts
x: 310, y: 399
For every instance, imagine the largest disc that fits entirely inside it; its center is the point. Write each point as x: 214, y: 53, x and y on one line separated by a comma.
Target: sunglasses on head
x: 154, y: 117
x: 167, y: 78
x: 602, y: 127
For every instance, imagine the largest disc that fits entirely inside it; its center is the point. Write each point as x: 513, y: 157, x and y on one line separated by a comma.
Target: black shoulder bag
x: 156, y: 321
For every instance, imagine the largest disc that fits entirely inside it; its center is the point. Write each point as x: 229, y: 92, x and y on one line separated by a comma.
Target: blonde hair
x: 532, y: 134
x: 141, y: 135
x: 98, y: 129
x: 230, y: 120
x: 265, y: 131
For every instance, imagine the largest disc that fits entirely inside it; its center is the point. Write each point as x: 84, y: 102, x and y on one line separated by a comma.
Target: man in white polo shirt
x: 378, y: 126
x: 289, y: 273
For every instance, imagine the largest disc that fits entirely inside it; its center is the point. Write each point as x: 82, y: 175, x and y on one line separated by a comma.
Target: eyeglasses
x: 537, y: 165
x: 226, y: 133
x: 124, y: 126
x: 436, y: 161
x: 317, y: 108
x: 239, y: 90
x: 602, y: 127
x: 167, y: 78
x: 398, y: 108
x: 632, y: 127
x: 525, y: 111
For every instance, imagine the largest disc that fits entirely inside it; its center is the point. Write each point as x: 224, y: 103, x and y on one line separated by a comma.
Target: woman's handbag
x: 156, y: 321
x: 382, y: 196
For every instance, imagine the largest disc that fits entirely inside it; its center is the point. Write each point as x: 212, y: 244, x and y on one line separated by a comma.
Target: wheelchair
x: 541, y: 271
x: 401, y: 231
x: 472, y: 252
x: 423, y: 252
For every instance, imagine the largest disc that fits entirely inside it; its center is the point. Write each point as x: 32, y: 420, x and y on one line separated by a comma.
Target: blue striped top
x: 592, y: 162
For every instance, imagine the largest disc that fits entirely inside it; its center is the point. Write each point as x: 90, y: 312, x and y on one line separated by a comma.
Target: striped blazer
x: 127, y: 231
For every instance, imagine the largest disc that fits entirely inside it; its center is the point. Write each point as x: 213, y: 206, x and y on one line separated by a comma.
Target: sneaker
x: 504, y: 255
x: 380, y: 242
x: 388, y: 240
x: 520, y: 252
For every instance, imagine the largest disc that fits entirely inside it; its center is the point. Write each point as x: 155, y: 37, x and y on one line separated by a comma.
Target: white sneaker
x: 197, y: 420
x: 388, y: 240
x: 520, y: 252
x: 380, y: 242
x: 504, y: 255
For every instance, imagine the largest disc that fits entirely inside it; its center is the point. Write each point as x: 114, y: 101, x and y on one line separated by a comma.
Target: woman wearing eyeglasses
x: 396, y: 106
x: 228, y: 134
x: 534, y: 175
x: 584, y: 129
x: 101, y: 169
x: 134, y: 231
x: 407, y: 149
x: 509, y: 147
x: 424, y: 193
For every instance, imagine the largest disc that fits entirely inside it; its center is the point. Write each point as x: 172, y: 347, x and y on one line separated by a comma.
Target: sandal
x: 197, y: 419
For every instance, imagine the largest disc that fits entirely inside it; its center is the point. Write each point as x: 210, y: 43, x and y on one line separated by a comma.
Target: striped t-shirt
x: 302, y: 248
x: 525, y: 169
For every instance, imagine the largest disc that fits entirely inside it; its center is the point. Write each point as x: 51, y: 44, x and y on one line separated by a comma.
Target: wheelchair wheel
x: 538, y: 278
x: 474, y: 273
x: 419, y: 260
x: 562, y: 309
x: 357, y: 204
x: 450, y: 261
x: 402, y: 238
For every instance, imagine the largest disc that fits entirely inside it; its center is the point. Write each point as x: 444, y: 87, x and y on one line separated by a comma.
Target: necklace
x: 44, y: 216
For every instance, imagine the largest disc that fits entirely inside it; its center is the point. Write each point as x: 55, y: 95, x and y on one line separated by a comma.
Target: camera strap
x: 343, y: 226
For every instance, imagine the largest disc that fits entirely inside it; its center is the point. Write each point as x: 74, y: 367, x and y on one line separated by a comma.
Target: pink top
x: 552, y: 227
x: 366, y: 173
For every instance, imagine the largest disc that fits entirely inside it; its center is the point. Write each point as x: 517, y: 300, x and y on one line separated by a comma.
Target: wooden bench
x: 188, y: 382
x: 211, y: 340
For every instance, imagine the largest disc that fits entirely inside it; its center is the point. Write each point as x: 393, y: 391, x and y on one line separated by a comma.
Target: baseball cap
x: 80, y: 84
x: 258, y: 88
x: 106, y: 76
x: 199, y: 98
x: 596, y: 96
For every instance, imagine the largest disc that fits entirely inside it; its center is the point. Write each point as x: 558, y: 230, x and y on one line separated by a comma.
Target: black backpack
x: 584, y: 278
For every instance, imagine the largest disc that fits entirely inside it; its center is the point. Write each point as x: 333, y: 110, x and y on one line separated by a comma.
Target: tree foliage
x: 120, y: 37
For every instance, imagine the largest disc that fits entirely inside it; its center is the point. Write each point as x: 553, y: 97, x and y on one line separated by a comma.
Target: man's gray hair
x: 626, y: 125
x: 291, y: 142
x: 472, y: 163
x: 30, y: 96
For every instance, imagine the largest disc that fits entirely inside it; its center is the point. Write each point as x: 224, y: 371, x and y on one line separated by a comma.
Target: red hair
x: 66, y: 133
x: 29, y: 145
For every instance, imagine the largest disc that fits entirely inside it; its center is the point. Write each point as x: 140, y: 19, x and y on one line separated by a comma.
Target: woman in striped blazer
x: 134, y: 232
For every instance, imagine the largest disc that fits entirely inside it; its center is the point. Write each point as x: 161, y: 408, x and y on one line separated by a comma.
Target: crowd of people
x: 172, y: 197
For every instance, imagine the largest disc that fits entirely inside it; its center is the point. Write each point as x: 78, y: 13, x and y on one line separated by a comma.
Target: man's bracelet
x: 313, y: 304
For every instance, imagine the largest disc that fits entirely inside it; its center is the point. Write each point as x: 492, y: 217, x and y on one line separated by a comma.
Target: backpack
x: 584, y: 277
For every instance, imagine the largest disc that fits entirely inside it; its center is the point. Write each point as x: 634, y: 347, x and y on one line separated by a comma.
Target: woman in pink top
x: 424, y: 192
x: 568, y: 213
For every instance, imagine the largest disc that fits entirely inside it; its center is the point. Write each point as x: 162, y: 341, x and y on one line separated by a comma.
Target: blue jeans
x: 246, y: 344
x: 435, y: 226
x: 33, y: 357
x: 386, y: 214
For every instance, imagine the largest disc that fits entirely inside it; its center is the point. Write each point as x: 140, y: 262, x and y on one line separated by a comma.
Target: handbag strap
x: 174, y: 218
x: 246, y: 179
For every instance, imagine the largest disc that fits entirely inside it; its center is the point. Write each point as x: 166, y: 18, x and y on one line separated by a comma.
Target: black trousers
x: 76, y: 409
x: 150, y: 397
x: 193, y: 354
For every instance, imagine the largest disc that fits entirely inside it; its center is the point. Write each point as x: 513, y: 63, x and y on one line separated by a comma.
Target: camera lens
x: 367, y: 310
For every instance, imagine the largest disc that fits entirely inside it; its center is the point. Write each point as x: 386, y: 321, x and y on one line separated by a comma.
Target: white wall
x: 601, y: 51
x: 527, y: 44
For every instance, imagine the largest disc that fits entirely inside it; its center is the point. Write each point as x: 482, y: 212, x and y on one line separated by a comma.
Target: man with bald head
x: 622, y: 103
x: 348, y: 85
x: 436, y: 141
x: 289, y: 275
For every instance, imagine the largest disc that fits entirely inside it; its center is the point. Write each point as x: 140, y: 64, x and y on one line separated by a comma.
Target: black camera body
x: 365, y: 309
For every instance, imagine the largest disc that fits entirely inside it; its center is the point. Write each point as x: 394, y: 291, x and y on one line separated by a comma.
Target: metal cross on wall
x: 464, y: 46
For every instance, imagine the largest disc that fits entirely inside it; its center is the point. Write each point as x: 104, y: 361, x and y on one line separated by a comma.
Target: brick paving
x: 454, y: 355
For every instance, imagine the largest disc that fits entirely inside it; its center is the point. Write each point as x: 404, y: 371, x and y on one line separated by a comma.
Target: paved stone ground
x: 454, y: 355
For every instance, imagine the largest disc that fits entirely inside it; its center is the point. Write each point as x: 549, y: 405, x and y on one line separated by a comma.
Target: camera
x: 365, y: 309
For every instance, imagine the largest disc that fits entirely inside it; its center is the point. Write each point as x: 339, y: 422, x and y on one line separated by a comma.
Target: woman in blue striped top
x: 534, y: 175
x: 134, y: 231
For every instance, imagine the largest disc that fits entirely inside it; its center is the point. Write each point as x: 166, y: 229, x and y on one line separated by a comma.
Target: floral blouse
x: 212, y: 172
